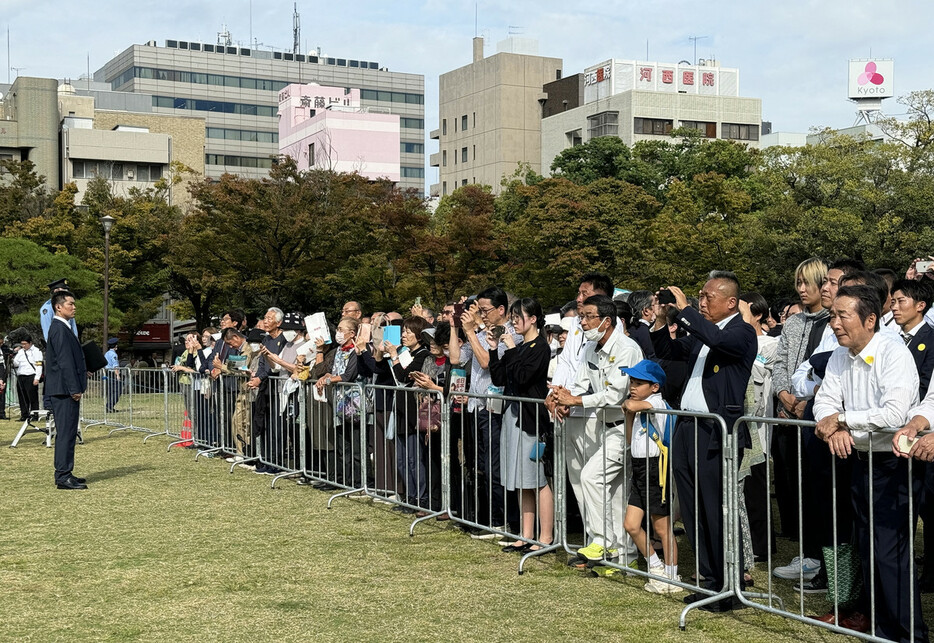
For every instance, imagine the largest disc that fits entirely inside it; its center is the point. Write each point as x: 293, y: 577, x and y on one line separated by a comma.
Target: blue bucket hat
x: 646, y: 370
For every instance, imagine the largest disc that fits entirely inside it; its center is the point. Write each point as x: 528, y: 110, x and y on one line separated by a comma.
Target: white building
x: 637, y: 101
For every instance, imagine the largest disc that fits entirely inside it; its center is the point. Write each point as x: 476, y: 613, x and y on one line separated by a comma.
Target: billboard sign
x: 872, y: 79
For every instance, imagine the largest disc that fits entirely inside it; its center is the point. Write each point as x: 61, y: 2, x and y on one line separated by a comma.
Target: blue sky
x: 792, y: 55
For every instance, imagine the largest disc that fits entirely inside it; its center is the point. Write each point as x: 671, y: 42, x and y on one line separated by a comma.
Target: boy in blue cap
x: 649, y: 435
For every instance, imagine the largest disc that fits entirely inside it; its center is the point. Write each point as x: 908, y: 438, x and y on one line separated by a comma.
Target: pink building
x: 326, y: 128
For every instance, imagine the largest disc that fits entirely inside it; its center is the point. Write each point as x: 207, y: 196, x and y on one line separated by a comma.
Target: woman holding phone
x: 523, y: 371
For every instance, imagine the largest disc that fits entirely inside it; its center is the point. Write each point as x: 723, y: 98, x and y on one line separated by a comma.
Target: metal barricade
x: 843, y: 503
x: 146, y: 411
x: 405, y: 447
x: 505, y: 445
x: 697, y: 486
x: 279, y: 427
x: 336, y: 442
x: 100, y: 400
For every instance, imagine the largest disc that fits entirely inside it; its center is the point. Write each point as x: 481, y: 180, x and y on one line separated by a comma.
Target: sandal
x: 517, y: 546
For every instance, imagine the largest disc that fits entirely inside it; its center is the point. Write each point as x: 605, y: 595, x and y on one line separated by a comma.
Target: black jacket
x: 523, y: 372
x: 727, y: 368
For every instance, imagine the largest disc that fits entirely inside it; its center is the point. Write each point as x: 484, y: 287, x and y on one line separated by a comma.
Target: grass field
x: 164, y: 548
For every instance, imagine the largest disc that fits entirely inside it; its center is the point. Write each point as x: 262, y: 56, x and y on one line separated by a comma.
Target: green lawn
x: 164, y: 548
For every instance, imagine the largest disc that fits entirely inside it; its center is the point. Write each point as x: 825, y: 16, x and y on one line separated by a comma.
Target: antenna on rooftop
x: 516, y: 30
x: 296, y: 30
x: 694, y: 39
x: 223, y: 36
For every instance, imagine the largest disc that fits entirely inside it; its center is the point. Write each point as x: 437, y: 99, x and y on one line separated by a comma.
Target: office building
x: 490, y: 115
x: 639, y: 101
x: 327, y: 128
x: 66, y: 134
x: 236, y: 90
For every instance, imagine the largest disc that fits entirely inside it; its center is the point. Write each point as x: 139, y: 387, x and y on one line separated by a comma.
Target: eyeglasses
x: 589, y: 316
x: 485, y: 311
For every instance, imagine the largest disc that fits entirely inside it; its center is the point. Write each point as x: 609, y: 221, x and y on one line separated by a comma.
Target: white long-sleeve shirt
x: 569, y: 362
x: 876, y: 389
x: 599, y: 381
x: 803, y: 381
x: 28, y: 362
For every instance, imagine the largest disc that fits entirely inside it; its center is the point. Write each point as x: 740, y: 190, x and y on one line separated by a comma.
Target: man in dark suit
x: 65, y: 381
x: 719, y: 351
x: 642, y: 303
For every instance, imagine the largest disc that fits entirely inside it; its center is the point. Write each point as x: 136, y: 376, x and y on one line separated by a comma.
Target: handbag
x: 844, y: 578
x: 429, y: 415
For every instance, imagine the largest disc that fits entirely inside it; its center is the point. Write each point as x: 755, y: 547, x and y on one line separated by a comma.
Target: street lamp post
x: 108, y: 222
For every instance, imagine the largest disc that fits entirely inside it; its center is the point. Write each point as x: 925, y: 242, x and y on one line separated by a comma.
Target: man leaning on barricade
x: 870, y: 385
x: 601, y: 386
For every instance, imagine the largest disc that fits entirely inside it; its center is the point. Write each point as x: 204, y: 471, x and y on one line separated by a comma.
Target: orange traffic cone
x: 186, y: 432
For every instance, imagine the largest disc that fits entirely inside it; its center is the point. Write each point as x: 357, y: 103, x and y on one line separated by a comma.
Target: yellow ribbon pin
x: 921, y: 347
x: 716, y: 369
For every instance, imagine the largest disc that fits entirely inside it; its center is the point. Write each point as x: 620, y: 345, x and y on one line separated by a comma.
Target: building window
x: 463, y: 182
x: 706, y: 128
x: 444, y: 158
x: 412, y: 123
x: 475, y: 152
x: 78, y: 170
x: 412, y: 148
x: 444, y: 127
x: 740, y: 132
x: 475, y: 120
x: 464, y: 123
x: 444, y: 188
x: 413, y: 172
x: 658, y: 126
x: 575, y: 138
x: 463, y: 155
x: 311, y: 154
x: 603, y: 124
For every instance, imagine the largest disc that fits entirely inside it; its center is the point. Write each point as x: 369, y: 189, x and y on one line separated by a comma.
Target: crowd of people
x: 849, y: 352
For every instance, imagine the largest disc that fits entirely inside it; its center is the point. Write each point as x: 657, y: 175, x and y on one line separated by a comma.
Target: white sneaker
x: 798, y: 568
x: 655, y: 586
x: 251, y: 467
x: 488, y: 535
x: 235, y: 458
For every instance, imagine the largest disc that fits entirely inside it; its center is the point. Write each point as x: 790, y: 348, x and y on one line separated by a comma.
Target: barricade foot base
x: 284, y: 474
x: 207, y: 452
x: 152, y: 435
x: 349, y: 492
x: 705, y: 602
x: 538, y: 552
x: 244, y: 461
x: 429, y: 516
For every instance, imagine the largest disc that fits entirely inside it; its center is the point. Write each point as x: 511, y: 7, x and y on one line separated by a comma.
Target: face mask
x: 216, y: 336
x: 339, y: 337
x: 554, y: 346
x: 446, y: 352
x: 254, y: 347
x: 289, y: 335
x: 594, y: 334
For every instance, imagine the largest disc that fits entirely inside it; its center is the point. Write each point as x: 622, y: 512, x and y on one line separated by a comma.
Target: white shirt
x: 641, y: 445
x: 803, y: 381
x: 600, y: 383
x: 28, y: 362
x: 569, y: 363
x: 693, y: 398
x: 876, y: 389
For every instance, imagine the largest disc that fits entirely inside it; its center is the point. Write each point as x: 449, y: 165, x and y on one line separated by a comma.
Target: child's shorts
x: 637, y: 491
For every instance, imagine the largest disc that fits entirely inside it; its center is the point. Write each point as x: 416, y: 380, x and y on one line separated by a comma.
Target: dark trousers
x: 891, y: 543
x: 706, y: 481
x: 818, y: 500
x: 491, y: 495
x: 347, y: 441
x: 785, y: 458
x: 385, y: 476
x: 28, y: 395
x: 65, y: 410
x: 927, y: 516
x: 756, y: 493
x: 112, y: 391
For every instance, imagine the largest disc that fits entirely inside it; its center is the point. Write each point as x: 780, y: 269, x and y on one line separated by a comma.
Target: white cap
x: 567, y: 323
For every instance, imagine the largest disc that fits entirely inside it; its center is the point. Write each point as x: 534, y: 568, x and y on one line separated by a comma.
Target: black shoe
x: 405, y: 511
x: 519, y: 547
x: 817, y: 585
x: 725, y: 605
x: 78, y: 480
x: 70, y: 483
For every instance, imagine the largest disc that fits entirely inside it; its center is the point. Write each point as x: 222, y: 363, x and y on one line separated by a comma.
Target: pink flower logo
x: 870, y: 75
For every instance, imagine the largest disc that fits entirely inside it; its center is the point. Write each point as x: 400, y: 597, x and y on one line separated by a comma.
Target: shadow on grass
x: 119, y: 472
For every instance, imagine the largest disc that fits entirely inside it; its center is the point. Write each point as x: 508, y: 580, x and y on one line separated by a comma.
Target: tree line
x: 660, y: 212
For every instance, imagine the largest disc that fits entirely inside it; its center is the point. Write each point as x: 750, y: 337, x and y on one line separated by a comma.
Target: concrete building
x: 61, y: 130
x: 327, y: 128
x: 646, y: 101
x: 236, y: 89
x: 490, y: 115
